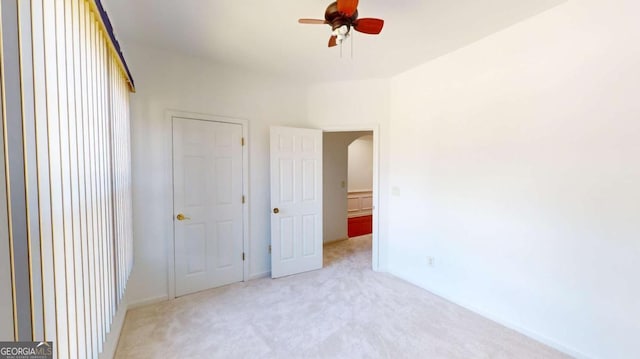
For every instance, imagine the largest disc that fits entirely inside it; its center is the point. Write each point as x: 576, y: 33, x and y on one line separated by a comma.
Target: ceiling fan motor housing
x: 337, y: 19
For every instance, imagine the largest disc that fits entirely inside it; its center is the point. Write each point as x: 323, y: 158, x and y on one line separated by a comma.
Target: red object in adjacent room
x: 359, y: 226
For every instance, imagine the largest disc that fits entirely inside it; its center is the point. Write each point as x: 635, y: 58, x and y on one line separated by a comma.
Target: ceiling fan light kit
x: 342, y: 16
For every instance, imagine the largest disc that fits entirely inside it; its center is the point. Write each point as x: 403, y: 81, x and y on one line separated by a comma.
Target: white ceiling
x: 264, y: 34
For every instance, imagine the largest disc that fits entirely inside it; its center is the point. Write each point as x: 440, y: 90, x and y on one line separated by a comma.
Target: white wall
x: 518, y: 159
x: 517, y: 156
x: 165, y: 81
x: 335, y: 148
x: 360, y: 164
x: 169, y: 81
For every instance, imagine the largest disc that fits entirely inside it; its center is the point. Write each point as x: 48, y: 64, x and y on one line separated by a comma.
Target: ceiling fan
x: 342, y: 16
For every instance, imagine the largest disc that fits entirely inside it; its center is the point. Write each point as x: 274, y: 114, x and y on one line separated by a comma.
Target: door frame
x: 375, y: 233
x: 171, y: 255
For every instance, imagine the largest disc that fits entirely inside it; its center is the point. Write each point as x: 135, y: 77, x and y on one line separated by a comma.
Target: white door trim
x: 169, y: 115
x: 375, y: 128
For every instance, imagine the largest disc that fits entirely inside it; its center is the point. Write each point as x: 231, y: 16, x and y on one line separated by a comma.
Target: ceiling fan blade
x: 347, y: 7
x: 369, y: 25
x: 333, y: 41
x: 312, y: 21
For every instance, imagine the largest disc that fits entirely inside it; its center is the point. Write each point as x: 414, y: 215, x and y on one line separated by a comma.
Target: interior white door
x: 207, y: 198
x: 296, y: 200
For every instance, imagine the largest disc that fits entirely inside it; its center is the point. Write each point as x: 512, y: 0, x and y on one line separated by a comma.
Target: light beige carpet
x: 342, y: 311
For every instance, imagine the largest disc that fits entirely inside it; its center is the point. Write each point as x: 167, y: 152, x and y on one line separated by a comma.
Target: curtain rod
x: 114, y: 46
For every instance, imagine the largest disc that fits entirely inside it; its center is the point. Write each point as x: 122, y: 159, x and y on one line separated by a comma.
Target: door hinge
x: 243, y: 256
x: 269, y: 248
x: 242, y: 141
x: 243, y: 200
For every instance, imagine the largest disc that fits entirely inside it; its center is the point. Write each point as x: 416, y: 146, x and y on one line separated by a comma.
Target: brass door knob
x: 276, y: 210
x: 181, y: 217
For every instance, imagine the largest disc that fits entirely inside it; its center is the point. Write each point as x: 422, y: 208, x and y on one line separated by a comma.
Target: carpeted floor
x: 344, y: 310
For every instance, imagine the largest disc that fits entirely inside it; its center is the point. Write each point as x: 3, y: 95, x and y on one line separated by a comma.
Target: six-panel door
x: 207, y: 168
x: 296, y: 200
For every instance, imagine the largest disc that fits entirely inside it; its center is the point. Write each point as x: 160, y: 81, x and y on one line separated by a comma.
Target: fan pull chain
x: 352, y: 37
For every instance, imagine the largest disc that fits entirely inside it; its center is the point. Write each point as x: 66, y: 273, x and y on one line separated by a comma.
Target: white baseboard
x: 110, y: 345
x: 529, y: 333
x: 260, y: 275
x: 113, y: 338
x: 149, y: 301
x: 334, y: 241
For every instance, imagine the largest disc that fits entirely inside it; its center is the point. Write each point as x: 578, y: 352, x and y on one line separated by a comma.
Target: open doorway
x: 360, y: 186
x: 346, y: 197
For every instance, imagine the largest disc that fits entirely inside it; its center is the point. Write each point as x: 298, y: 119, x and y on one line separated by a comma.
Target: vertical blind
x: 66, y: 231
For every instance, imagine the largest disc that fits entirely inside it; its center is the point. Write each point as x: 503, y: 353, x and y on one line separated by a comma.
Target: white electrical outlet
x: 431, y: 261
